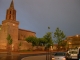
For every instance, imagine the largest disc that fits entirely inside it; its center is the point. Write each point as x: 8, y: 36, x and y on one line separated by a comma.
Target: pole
x: 47, y: 55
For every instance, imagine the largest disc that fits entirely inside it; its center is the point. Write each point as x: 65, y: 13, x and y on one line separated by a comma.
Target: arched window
x: 10, y: 12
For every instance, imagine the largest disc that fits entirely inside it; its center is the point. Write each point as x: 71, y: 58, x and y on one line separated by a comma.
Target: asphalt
x: 20, y: 55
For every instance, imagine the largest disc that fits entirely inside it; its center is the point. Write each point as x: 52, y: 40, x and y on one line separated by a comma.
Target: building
x: 11, y: 26
x: 73, y: 41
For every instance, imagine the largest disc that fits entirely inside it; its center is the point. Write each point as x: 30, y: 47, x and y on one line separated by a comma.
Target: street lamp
x: 77, y: 35
x: 48, y: 54
x: 78, y: 44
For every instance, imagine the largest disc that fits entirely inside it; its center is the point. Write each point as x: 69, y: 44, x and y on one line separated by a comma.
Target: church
x: 10, y: 26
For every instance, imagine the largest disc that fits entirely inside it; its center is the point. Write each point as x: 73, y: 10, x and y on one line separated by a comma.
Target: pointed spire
x: 12, y: 4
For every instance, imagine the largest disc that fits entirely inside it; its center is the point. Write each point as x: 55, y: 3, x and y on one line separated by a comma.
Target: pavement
x: 19, y: 55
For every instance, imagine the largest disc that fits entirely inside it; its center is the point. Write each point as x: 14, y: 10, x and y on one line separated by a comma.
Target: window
x: 59, y: 54
x: 10, y: 12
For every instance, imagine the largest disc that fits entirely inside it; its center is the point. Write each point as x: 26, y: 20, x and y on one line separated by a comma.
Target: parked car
x: 73, y: 53
x: 78, y: 54
x: 60, y: 56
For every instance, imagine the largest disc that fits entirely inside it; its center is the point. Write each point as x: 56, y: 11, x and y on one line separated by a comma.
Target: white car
x: 60, y: 56
x: 73, y: 54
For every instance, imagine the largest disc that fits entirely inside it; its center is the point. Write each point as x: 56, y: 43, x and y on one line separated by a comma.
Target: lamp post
x: 77, y: 35
x: 48, y: 53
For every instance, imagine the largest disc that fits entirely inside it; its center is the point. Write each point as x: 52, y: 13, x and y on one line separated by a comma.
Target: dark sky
x: 37, y: 15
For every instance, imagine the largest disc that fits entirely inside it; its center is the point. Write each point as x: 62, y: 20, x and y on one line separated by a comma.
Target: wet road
x: 31, y: 55
x: 20, y: 56
x: 39, y: 57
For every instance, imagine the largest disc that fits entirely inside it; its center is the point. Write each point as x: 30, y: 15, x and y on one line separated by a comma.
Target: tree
x: 20, y: 45
x: 48, y: 38
x: 42, y: 41
x: 64, y: 44
x: 33, y: 40
x: 9, y: 41
x: 59, y: 37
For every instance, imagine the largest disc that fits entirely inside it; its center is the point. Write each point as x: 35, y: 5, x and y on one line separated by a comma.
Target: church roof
x: 27, y: 30
x: 12, y: 4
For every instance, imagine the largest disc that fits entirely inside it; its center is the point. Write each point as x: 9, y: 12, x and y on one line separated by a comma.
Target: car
x: 60, y: 56
x: 78, y: 54
x: 73, y: 53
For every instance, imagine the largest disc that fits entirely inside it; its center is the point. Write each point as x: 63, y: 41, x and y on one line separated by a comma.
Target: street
x: 39, y: 57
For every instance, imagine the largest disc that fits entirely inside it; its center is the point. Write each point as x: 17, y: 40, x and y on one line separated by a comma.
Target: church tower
x: 10, y: 27
x: 11, y: 12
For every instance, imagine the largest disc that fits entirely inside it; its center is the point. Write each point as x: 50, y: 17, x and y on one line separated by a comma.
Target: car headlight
x: 53, y: 58
x: 64, y: 58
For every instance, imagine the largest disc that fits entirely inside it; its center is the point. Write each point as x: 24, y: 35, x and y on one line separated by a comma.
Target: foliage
x: 48, y: 27
x: 20, y: 44
x: 45, y: 41
x: 48, y: 38
x: 9, y: 39
x: 64, y: 44
x: 33, y: 40
x: 59, y: 37
x: 42, y: 41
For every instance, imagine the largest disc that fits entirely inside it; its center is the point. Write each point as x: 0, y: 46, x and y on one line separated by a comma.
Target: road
x: 39, y: 57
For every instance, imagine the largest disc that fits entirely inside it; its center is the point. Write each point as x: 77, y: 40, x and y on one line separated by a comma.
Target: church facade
x: 11, y: 26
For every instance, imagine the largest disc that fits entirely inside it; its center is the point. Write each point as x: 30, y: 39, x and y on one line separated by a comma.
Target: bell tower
x: 11, y: 12
x: 10, y: 27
